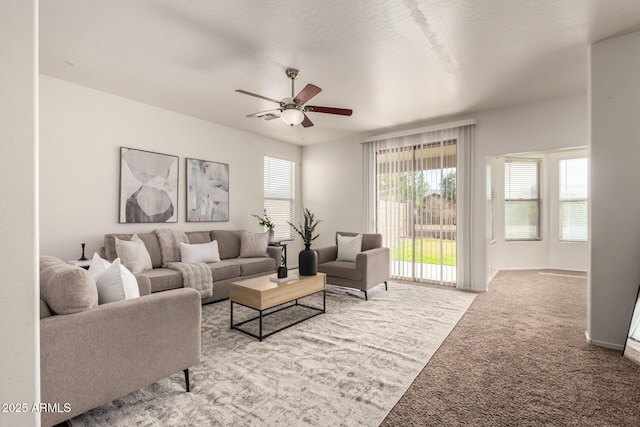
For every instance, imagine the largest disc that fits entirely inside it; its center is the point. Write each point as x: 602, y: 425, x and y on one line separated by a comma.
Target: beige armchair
x: 371, y: 268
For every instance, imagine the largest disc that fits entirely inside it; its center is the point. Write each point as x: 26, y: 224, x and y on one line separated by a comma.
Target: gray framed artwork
x: 148, y: 186
x: 207, y: 191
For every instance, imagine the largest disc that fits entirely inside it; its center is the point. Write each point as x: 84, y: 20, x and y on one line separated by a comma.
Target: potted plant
x: 265, y: 221
x: 307, y: 258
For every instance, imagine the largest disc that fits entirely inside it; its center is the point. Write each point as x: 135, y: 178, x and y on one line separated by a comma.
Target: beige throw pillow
x: 349, y: 247
x: 133, y: 254
x: 253, y: 245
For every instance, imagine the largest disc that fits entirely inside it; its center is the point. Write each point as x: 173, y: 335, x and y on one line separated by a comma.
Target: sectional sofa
x: 231, y: 267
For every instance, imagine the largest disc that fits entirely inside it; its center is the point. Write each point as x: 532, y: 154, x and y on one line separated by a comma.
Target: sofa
x: 230, y: 268
x: 371, y: 266
x: 91, y: 354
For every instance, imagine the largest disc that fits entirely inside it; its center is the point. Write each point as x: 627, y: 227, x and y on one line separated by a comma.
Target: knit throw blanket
x: 197, y: 276
x: 170, y: 244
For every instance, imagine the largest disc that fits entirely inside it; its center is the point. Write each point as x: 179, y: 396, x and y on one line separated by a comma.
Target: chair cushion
x: 369, y: 240
x: 228, y: 243
x: 249, y: 266
x: 348, y: 247
x: 224, y: 270
x: 65, y: 288
x: 342, y: 269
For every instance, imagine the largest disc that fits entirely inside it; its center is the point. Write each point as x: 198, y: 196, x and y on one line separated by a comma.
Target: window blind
x: 279, y: 194
x: 522, y: 199
x: 574, y: 174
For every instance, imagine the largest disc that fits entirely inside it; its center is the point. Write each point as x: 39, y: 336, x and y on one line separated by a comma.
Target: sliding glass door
x: 417, y: 211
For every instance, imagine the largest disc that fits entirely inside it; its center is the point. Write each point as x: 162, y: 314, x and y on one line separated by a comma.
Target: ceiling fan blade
x: 267, y: 115
x: 306, y: 94
x: 257, y: 96
x: 329, y: 110
x: 306, y: 122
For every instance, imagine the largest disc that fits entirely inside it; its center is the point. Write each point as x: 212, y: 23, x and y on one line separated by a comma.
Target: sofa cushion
x: 224, y: 270
x: 369, y: 240
x: 66, y: 289
x: 249, y: 266
x: 199, y: 252
x: 44, y: 310
x: 163, y: 279
x: 198, y: 236
x: 150, y: 242
x: 228, y: 243
x: 348, y: 247
x: 253, y: 245
x: 133, y: 254
x: 342, y: 269
x: 114, y: 281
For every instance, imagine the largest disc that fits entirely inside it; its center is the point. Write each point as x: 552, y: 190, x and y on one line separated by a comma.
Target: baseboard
x: 604, y: 344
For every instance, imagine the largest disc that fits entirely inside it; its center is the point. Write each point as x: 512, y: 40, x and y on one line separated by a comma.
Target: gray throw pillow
x: 253, y: 245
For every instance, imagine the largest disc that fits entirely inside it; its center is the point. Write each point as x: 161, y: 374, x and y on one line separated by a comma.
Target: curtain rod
x: 407, y: 132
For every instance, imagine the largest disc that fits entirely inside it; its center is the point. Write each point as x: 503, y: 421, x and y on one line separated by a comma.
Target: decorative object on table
x: 207, y: 191
x: 285, y: 279
x: 148, y: 186
x: 83, y: 258
x: 307, y: 258
x: 265, y: 221
x: 282, y: 272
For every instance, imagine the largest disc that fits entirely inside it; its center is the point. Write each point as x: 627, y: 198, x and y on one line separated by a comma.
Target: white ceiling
x: 393, y: 62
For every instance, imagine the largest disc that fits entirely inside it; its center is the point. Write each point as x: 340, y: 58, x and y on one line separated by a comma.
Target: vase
x: 308, y: 262
x: 272, y: 237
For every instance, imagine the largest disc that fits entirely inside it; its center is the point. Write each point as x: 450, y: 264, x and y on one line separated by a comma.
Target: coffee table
x: 262, y: 295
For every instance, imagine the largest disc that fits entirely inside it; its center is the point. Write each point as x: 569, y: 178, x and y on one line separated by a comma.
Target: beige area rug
x: 347, y: 367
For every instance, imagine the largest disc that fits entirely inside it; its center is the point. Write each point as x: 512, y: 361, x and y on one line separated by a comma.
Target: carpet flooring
x: 346, y: 367
x: 518, y: 357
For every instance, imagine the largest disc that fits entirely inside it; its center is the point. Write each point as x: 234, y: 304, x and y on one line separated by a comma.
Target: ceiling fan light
x: 292, y: 116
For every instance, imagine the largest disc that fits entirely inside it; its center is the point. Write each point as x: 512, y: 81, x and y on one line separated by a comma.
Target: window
x: 279, y: 193
x: 522, y: 199
x: 573, y: 199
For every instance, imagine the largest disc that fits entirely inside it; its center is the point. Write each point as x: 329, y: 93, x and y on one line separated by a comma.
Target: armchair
x: 371, y: 268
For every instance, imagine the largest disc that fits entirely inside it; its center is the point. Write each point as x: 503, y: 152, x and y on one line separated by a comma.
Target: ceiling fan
x: 292, y: 109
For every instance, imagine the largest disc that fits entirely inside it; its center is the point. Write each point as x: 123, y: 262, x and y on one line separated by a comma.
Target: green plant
x: 264, y: 220
x: 306, y: 231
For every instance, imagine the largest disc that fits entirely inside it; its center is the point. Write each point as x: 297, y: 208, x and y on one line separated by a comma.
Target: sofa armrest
x: 375, y: 265
x: 329, y: 253
x: 144, y: 285
x: 93, y: 357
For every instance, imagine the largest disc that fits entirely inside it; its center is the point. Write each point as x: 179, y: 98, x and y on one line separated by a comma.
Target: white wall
x: 549, y: 251
x: 333, y: 188
x: 81, y: 132
x: 615, y: 154
x: 19, y: 312
x: 540, y: 126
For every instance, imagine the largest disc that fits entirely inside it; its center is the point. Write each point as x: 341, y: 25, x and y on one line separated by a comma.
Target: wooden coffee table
x: 262, y: 295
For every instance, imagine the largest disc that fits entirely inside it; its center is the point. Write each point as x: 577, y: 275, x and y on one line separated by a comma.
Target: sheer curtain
x: 417, y: 193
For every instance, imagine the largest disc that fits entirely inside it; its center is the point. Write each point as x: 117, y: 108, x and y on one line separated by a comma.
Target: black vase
x: 308, y: 262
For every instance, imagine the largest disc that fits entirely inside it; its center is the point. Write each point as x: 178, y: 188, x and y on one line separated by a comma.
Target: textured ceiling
x: 393, y: 62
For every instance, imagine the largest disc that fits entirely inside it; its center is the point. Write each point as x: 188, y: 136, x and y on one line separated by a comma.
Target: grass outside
x: 427, y: 251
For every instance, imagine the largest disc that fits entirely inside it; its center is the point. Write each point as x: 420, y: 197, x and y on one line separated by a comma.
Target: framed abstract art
x: 148, y: 186
x: 207, y: 191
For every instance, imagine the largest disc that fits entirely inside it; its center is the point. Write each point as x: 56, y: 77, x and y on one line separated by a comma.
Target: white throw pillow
x: 349, y: 247
x: 114, y: 281
x: 253, y: 245
x: 199, y: 252
x: 133, y: 254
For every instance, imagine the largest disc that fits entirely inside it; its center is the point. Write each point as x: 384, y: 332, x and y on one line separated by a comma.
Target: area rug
x: 347, y: 367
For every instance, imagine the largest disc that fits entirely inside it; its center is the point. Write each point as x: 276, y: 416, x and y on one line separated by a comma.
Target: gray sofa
x: 230, y: 268
x: 372, y: 266
x: 92, y: 354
